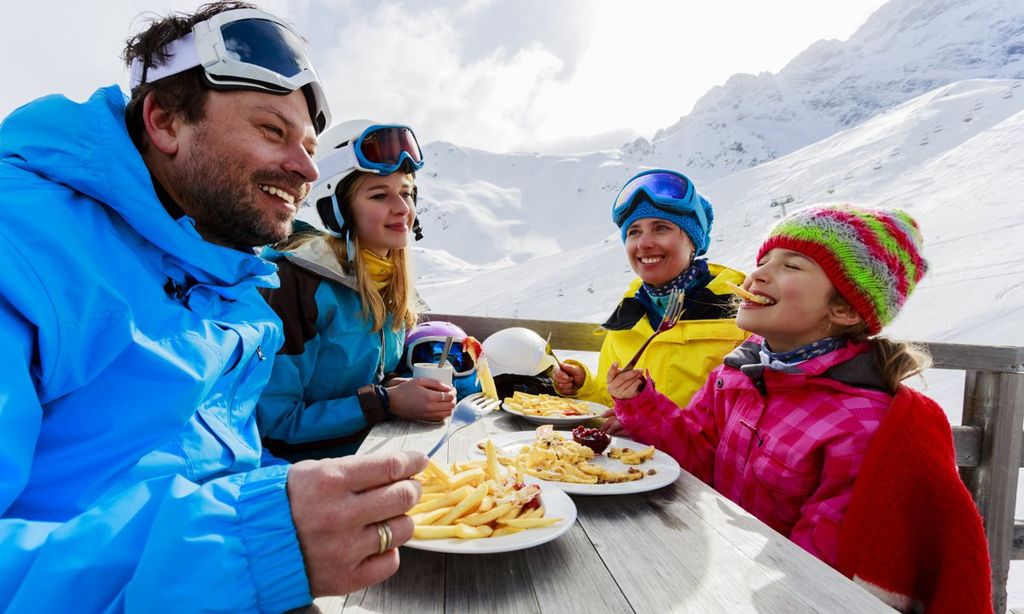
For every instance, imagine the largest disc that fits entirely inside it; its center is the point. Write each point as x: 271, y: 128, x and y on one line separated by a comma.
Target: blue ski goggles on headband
x: 242, y: 49
x: 428, y: 350
x: 668, y: 191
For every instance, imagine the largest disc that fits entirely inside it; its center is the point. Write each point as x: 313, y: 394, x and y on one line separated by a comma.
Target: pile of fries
x: 477, y: 499
x: 546, y: 405
x: 555, y: 458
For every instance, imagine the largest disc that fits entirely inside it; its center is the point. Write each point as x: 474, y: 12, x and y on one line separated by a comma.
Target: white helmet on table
x: 517, y: 350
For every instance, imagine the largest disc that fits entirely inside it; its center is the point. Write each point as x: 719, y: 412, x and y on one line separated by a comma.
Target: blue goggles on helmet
x: 667, y: 191
x: 242, y: 49
x: 428, y: 350
x: 380, y: 150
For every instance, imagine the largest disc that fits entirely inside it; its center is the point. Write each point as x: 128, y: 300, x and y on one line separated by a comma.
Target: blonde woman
x: 346, y: 300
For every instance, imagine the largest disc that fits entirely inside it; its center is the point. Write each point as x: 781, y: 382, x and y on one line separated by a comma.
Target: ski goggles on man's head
x: 242, y: 49
x: 668, y: 191
x: 429, y: 349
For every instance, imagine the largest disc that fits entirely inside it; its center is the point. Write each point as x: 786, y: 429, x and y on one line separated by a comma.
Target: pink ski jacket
x: 784, y: 445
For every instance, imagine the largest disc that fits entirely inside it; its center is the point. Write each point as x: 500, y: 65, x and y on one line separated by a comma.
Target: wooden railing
x: 988, y: 444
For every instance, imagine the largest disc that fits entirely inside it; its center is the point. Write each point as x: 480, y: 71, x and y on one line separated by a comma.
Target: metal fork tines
x: 673, y: 310
x: 467, y: 411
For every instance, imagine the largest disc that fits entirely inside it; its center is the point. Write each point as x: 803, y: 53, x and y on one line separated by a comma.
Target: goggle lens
x: 385, y: 148
x: 265, y: 44
x: 662, y: 188
x: 667, y: 191
x: 430, y: 351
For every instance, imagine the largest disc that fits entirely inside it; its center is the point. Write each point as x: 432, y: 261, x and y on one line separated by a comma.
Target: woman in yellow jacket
x: 666, y: 226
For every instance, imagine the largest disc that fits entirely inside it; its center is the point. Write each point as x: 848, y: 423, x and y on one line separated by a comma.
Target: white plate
x: 666, y: 468
x: 557, y: 420
x: 556, y: 503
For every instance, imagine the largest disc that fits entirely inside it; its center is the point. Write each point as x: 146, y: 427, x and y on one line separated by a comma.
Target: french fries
x: 478, y: 499
x: 546, y: 405
x: 554, y: 458
x: 747, y: 294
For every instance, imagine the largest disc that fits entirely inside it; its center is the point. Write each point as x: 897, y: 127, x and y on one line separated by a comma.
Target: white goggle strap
x: 339, y: 161
x: 183, y: 56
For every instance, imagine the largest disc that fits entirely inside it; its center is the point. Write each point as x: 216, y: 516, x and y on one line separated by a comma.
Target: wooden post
x: 995, y: 402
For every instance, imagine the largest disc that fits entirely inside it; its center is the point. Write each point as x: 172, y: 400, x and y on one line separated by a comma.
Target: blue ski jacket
x: 310, y: 407
x: 131, y: 472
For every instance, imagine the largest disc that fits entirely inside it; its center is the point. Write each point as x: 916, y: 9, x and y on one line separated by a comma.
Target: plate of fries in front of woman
x: 548, y: 409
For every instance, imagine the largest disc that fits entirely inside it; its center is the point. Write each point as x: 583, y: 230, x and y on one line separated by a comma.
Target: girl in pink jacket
x: 782, y: 427
x: 806, y: 424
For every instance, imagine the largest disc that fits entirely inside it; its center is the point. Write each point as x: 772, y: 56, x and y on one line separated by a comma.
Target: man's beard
x: 223, y: 202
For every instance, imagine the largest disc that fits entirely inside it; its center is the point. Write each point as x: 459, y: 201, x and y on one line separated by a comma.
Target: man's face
x: 244, y: 169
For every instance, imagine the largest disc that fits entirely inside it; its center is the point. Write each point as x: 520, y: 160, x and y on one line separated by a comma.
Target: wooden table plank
x: 567, y: 577
x: 683, y: 548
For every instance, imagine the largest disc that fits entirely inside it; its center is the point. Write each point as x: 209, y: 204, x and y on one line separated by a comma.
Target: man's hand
x: 568, y: 379
x: 336, y: 505
x: 422, y: 399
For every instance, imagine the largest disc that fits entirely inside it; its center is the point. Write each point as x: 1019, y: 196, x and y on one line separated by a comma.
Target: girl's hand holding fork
x: 625, y: 384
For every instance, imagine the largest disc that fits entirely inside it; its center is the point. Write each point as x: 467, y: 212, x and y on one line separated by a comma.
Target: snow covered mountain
x: 483, y: 211
x: 906, y: 48
x: 953, y: 158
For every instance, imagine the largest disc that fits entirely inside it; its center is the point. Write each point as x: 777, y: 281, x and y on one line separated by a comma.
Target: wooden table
x: 683, y: 548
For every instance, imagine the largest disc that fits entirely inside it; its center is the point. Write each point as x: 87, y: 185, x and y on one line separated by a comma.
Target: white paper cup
x: 430, y: 370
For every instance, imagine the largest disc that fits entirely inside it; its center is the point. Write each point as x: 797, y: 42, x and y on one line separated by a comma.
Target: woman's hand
x: 421, y: 399
x: 568, y: 379
x: 623, y: 385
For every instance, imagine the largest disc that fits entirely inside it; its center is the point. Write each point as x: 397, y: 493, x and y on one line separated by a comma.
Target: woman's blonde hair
x: 397, y: 297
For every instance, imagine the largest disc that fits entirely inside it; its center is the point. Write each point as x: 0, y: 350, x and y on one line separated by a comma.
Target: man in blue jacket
x: 135, y: 343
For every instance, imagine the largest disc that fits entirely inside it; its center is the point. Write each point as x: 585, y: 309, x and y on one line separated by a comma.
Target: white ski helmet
x: 359, y: 145
x: 517, y: 350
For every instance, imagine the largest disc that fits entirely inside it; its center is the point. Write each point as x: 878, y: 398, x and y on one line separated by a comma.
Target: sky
x: 501, y: 75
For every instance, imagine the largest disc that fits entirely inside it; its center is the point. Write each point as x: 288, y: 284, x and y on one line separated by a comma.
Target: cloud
x: 523, y: 75
x: 454, y: 74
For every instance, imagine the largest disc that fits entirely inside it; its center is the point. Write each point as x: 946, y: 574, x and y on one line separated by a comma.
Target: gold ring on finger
x: 384, y: 537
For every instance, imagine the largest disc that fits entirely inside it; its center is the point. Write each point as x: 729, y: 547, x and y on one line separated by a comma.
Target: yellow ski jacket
x: 680, y: 359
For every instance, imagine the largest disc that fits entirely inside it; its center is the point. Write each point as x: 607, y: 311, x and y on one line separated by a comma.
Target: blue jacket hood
x: 86, y: 147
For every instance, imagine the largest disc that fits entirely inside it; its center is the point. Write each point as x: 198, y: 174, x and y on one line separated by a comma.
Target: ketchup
x: 595, y: 439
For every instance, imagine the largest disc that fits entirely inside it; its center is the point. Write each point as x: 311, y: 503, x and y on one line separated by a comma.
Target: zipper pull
x: 753, y: 429
x: 259, y: 353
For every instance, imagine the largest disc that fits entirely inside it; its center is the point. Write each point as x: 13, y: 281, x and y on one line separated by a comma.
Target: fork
x: 547, y: 348
x: 673, y: 310
x: 467, y: 411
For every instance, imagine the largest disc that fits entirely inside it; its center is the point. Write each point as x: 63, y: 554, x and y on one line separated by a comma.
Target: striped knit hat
x: 872, y: 256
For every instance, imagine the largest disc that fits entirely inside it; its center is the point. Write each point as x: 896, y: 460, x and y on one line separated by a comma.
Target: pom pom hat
x: 872, y: 256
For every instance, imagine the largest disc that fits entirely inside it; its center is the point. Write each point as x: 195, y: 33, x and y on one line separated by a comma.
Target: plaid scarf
x: 781, y: 360
x: 685, y: 281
